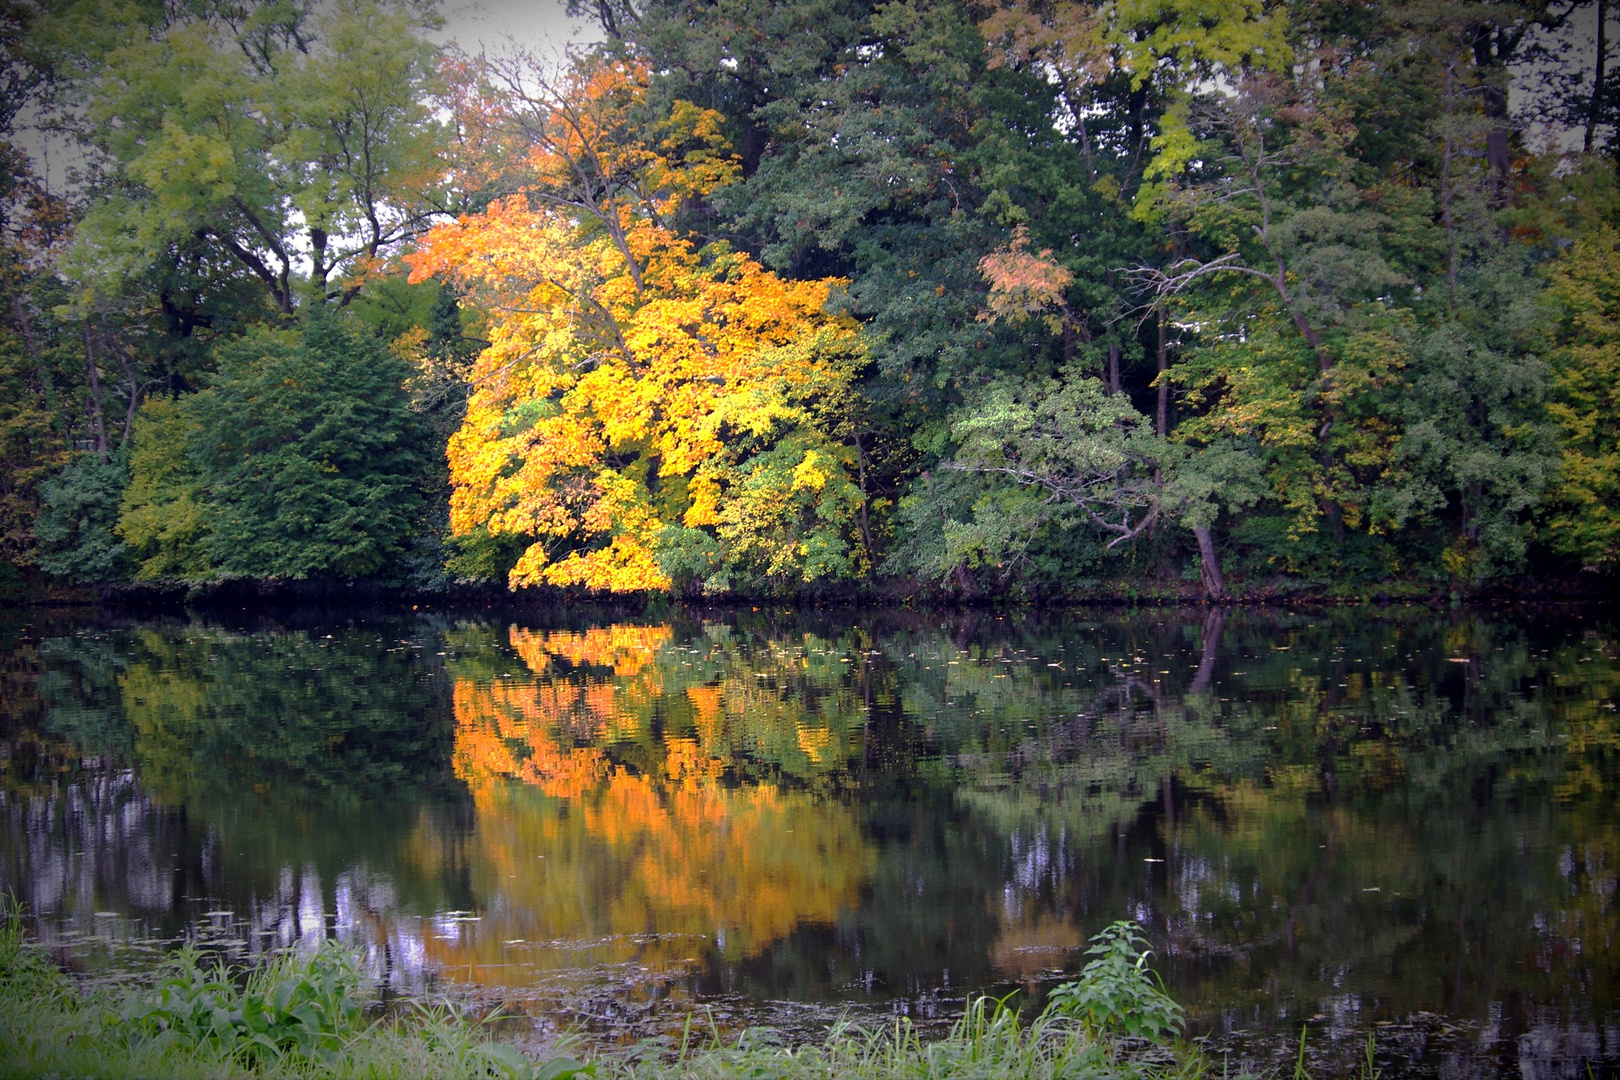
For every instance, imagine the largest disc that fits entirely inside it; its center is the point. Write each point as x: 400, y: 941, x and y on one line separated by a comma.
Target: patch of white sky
x: 1569, y: 52
x: 541, y: 27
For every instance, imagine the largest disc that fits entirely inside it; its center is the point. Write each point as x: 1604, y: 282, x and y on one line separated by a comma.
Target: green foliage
x: 787, y: 521
x: 76, y: 526
x: 295, y: 1016
x: 688, y: 557
x: 1304, y: 300
x: 265, y: 131
x: 1477, y: 450
x: 26, y: 973
x: 1584, y: 522
x: 1117, y: 994
x: 989, y: 1041
x: 163, y: 515
x: 307, y: 449
x: 300, y: 460
x: 299, y: 1013
x: 483, y: 557
x: 34, y: 373
x: 963, y: 526
x: 297, y: 1007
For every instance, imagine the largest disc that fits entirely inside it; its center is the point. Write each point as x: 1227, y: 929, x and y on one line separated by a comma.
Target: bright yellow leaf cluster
x: 636, y: 381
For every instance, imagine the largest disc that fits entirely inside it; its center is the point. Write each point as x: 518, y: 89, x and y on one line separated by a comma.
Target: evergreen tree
x: 308, y: 454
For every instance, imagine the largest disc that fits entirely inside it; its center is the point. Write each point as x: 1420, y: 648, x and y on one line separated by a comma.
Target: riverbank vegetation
x: 1030, y: 297
x: 305, y: 1016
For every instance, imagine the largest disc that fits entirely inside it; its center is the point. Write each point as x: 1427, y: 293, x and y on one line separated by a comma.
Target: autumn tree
x: 1583, y: 522
x: 652, y: 409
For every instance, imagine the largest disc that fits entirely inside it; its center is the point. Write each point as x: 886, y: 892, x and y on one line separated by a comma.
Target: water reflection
x: 1403, y: 824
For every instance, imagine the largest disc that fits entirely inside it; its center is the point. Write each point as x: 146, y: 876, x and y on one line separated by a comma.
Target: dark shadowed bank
x: 1590, y: 589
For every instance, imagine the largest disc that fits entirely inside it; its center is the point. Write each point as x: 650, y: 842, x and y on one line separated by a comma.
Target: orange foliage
x: 508, y: 730
x: 581, y: 862
x: 1025, y: 285
x: 631, y: 373
x: 625, y: 648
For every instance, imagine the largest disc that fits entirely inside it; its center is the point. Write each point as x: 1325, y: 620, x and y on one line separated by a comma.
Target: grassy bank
x: 305, y: 1016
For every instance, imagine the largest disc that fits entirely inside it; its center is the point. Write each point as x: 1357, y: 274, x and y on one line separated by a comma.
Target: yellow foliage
x: 582, y: 861
x: 614, y: 339
x: 625, y: 648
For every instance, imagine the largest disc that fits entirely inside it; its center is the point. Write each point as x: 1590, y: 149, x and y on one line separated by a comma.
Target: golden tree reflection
x: 585, y: 854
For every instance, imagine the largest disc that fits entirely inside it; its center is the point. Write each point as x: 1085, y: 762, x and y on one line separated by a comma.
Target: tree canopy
x: 801, y: 297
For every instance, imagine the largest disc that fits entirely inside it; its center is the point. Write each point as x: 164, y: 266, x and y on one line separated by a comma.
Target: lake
x: 1399, y: 822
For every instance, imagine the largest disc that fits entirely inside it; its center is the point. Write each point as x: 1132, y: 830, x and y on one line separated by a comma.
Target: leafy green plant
x: 291, y: 1019
x: 25, y: 972
x: 307, y: 1007
x: 1117, y: 994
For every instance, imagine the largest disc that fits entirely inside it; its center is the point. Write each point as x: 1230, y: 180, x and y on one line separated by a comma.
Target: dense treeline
x: 804, y: 296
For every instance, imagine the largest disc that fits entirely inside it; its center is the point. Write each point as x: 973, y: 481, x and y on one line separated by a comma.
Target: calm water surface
x: 1398, y: 823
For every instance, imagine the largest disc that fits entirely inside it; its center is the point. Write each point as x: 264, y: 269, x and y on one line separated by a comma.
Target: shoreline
x: 1587, y: 591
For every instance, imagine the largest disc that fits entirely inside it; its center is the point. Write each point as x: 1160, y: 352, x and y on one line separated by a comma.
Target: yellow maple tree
x: 649, y: 406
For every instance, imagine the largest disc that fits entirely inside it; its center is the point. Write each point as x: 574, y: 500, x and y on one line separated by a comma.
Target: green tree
x: 283, y: 135
x: 1475, y: 437
x: 164, y: 516
x: 75, y: 527
x: 1584, y: 518
x: 308, y: 455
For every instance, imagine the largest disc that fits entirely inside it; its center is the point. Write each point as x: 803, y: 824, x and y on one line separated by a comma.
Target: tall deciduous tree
x: 294, y: 139
x: 1585, y: 518
x: 650, y: 408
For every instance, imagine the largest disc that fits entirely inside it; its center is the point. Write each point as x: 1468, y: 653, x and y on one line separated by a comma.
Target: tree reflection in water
x: 1403, y: 824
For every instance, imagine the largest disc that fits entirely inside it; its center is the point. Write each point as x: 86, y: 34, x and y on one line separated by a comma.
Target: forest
x: 962, y: 299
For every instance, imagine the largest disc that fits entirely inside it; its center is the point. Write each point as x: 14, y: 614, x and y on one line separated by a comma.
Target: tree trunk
x: 1161, y: 416
x: 97, y: 428
x: 134, y: 388
x: 1497, y: 152
x: 866, y: 528
x: 1493, y: 51
x: 1209, y: 564
x: 1595, y: 109
x: 1214, y: 626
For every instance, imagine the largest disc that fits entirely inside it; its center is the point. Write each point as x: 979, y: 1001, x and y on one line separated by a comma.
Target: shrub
x: 1117, y: 994
x: 306, y: 1007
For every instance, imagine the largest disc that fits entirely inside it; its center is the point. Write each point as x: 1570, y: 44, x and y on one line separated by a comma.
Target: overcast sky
x: 538, y: 25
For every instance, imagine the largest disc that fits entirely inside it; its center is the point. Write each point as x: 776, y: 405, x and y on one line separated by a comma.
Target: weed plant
x: 303, y: 1017
x: 296, y: 1017
x: 1115, y: 1021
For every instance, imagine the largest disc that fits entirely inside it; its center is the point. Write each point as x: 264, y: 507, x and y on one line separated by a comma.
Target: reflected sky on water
x: 1399, y: 822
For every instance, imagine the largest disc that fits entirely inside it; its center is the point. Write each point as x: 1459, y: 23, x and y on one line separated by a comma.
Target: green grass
x: 293, y: 1017
x: 304, y: 1016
